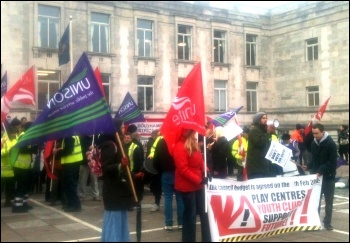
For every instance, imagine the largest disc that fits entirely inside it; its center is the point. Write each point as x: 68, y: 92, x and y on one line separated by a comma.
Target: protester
x: 7, y: 175
x: 190, y: 181
x: 324, y: 163
x: 343, y: 140
x: 23, y: 122
x: 164, y: 164
x: 117, y: 193
x: 298, y: 135
x: 239, y: 151
x: 135, y: 156
x: 85, y: 173
x: 209, y: 136
x: 259, y: 142
x: 156, y: 182
x: 23, y: 175
x: 54, y: 186
x: 17, y: 124
x: 221, y: 153
x: 71, y: 157
x: 292, y: 145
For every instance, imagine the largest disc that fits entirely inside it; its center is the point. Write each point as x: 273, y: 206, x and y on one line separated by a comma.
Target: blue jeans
x: 168, y: 188
x: 115, y: 226
x: 194, y: 203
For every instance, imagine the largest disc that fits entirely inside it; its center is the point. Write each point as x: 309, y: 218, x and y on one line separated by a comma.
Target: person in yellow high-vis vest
x: 23, y: 175
x: 239, y: 151
x: 156, y: 182
x: 7, y: 175
x: 135, y: 155
x: 71, y: 157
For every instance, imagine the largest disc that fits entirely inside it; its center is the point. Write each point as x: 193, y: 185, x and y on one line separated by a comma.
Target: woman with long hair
x: 190, y: 181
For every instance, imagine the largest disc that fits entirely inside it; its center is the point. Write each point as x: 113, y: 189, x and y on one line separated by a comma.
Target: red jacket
x: 189, y: 170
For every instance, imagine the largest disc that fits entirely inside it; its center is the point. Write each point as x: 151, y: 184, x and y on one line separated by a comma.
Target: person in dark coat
x: 259, y: 141
x: 116, y: 192
x: 343, y: 140
x: 221, y: 153
x: 324, y: 163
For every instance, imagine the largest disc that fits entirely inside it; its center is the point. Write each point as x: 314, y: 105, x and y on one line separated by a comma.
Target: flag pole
x: 71, y: 43
x: 52, y: 166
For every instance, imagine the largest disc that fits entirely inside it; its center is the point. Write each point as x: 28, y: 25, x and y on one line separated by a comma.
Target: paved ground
x: 50, y: 224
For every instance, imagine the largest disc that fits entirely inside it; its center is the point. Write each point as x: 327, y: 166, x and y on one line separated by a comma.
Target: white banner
x: 258, y: 208
x: 278, y: 154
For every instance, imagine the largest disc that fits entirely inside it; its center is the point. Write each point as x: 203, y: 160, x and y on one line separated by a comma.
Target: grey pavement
x: 45, y: 223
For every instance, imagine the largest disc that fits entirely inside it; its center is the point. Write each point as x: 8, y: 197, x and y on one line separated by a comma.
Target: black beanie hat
x: 15, y: 122
x: 132, y: 128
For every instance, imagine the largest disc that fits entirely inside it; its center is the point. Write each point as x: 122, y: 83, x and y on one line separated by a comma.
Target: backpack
x: 94, y: 158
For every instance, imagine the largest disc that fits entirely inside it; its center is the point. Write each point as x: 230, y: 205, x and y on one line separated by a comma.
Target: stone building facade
x: 285, y: 62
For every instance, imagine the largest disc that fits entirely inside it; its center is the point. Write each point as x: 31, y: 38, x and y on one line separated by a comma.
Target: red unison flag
x: 318, y: 116
x: 187, y: 110
x: 22, y: 91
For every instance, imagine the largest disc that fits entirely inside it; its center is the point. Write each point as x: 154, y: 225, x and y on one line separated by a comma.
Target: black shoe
x: 72, y: 210
x: 20, y: 209
x: 328, y: 227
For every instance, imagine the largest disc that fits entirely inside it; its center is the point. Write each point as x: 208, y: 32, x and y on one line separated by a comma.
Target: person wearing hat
x: 239, y: 151
x: 259, y: 141
x: 7, y: 175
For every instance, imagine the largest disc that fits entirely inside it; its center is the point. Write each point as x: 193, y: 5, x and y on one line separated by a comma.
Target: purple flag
x: 129, y: 112
x: 224, y: 118
x: 78, y: 108
x: 4, y: 84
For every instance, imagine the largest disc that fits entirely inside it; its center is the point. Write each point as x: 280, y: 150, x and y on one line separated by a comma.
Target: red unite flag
x: 318, y: 116
x: 99, y: 79
x: 22, y: 91
x: 187, y: 110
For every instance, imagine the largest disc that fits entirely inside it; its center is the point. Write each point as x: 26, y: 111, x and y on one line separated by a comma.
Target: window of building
x: 313, y: 96
x: 100, y: 32
x: 252, y: 96
x: 144, y: 38
x: 184, y: 42
x: 179, y: 83
x: 48, y: 26
x: 105, y: 82
x: 219, y: 46
x: 220, y: 94
x: 145, y: 93
x: 312, y: 49
x: 251, y: 50
x: 48, y: 85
